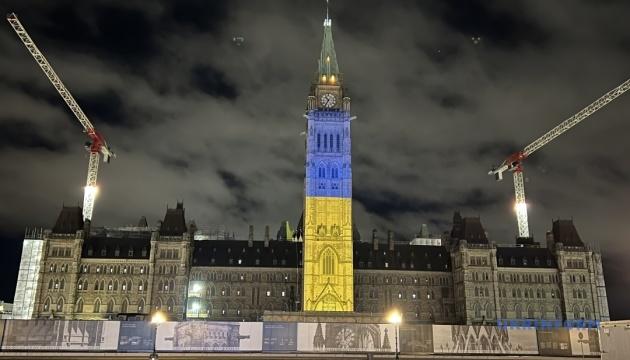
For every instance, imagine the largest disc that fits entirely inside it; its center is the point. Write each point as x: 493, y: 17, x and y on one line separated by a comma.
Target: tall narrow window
x: 319, y: 141
x: 331, y: 142
x: 338, y: 143
x: 325, y: 141
x: 329, y: 263
x: 97, y: 306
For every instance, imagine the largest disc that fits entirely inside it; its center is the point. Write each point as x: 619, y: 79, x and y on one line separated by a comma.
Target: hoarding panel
x: 69, y: 335
x: 480, y: 339
x: 339, y: 337
x: 136, y: 336
x: 279, y: 336
x: 416, y: 339
x: 584, y: 342
x: 209, y: 336
x: 554, y: 342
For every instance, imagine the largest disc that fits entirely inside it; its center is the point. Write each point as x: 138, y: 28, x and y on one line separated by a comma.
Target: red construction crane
x: 97, y: 142
x: 514, y: 162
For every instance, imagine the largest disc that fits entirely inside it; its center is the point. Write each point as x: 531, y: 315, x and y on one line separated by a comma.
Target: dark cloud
x: 23, y: 135
x: 194, y: 116
x: 213, y: 82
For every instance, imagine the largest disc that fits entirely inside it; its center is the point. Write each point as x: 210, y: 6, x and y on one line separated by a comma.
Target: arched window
x: 576, y: 312
x: 587, y: 312
x: 503, y: 312
x: 85, y: 284
x: 116, y: 285
x: 60, y: 304
x: 102, y: 284
x: 50, y: 284
x: 557, y: 313
x: 79, y: 307
x: 158, y: 304
x: 477, y: 311
x: 171, y: 285
x: 141, y: 305
x: 62, y: 284
x: 543, y: 311
x: 123, y: 288
x: 329, y: 262
x: 489, y: 311
x: 530, y: 312
x: 97, y: 306
x: 124, y: 306
x: 519, y: 311
x: 110, y: 306
x: 47, y: 304
x: 319, y: 141
x: 110, y: 286
x: 331, y: 142
x: 170, y: 305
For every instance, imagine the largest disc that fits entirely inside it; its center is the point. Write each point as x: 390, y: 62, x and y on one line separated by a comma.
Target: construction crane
x: 514, y: 162
x: 97, y: 144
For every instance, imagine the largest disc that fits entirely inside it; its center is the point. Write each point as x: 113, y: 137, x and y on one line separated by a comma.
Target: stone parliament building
x: 76, y: 271
x: 72, y: 272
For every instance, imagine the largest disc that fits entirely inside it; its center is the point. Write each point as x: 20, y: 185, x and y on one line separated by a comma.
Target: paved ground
x: 78, y: 356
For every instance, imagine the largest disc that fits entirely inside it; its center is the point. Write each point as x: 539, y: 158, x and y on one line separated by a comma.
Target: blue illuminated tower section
x: 328, y: 271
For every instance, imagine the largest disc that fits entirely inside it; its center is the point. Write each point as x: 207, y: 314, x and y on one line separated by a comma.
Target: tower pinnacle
x: 328, y: 69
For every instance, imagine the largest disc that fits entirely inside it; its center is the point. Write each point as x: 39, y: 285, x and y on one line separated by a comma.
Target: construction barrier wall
x: 278, y: 337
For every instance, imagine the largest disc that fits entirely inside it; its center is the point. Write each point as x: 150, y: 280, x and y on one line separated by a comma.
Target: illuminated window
x: 400, y: 295
x: 284, y: 293
x: 413, y: 296
x: 268, y: 293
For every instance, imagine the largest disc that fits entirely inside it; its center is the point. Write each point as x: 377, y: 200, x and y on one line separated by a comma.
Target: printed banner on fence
x: 67, y: 335
x: 415, y: 339
x: 479, y: 339
x: 584, y: 342
x: 338, y: 337
x: 554, y: 342
x: 279, y: 336
x: 136, y: 336
x: 209, y: 336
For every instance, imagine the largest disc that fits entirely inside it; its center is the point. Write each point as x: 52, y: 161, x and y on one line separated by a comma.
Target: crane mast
x: 514, y: 162
x: 97, y: 142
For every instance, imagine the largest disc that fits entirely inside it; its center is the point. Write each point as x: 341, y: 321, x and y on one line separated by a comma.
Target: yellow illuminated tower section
x: 328, y: 277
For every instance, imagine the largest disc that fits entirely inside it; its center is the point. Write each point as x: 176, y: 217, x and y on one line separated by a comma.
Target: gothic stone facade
x: 468, y: 281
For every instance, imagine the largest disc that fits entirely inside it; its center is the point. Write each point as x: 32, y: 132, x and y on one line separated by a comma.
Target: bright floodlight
x: 394, y: 317
x: 520, y: 207
x: 158, y: 318
x: 196, y: 288
x: 91, y: 190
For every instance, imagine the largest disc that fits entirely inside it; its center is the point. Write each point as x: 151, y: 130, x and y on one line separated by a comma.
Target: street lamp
x: 157, y: 318
x: 395, y: 317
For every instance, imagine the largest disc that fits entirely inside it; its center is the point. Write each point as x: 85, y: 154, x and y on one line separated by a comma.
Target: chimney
x: 266, y: 235
x: 550, y: 241
x: 374, y: 240
x: 390, y: 240
x: 250, y: 238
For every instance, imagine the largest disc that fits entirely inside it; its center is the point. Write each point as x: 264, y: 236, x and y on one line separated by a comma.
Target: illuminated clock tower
x: 328, y: 278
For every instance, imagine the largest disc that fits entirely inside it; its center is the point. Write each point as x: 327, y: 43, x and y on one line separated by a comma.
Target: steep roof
x: 564, y: 231
x: 469, y: 229
x: 112, y: 244
x: 69, y: 221
x: 327, y: 63
x: 525, y: 257
x: 288, y: 254
x: 174, y: 223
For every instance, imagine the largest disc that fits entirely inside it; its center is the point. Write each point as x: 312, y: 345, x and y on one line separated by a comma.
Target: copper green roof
x: 328, y: 58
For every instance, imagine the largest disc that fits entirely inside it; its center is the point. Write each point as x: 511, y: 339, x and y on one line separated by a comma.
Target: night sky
x: 194, y: 116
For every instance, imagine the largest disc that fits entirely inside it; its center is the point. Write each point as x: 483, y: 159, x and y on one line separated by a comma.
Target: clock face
x: 328, y: 100
x: 345, y: 338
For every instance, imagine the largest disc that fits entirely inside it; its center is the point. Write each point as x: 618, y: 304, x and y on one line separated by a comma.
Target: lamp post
x: 157, y: 318
x: 395, y: 317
